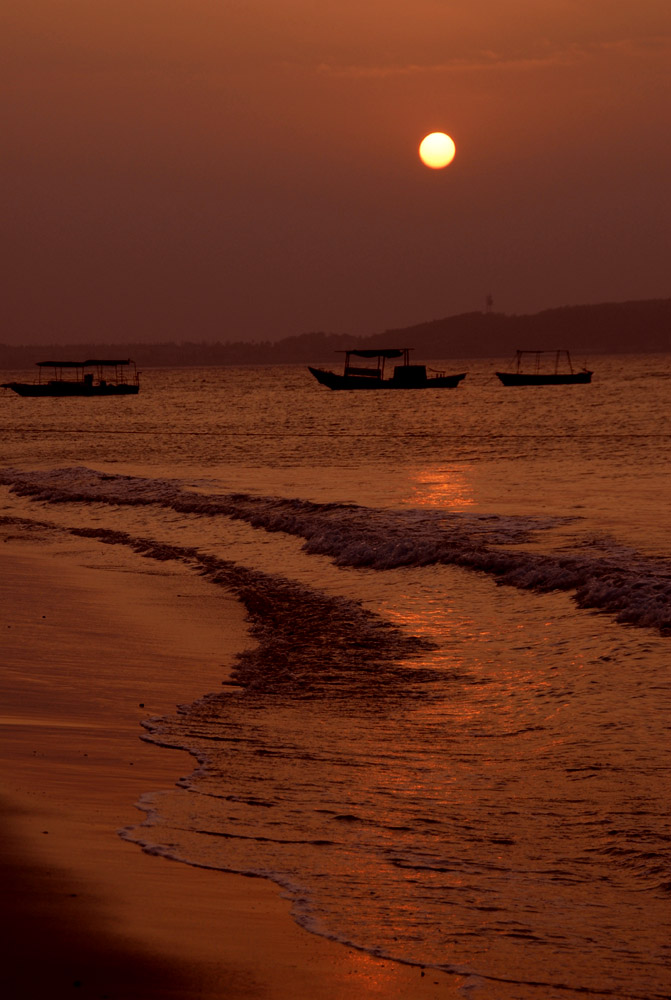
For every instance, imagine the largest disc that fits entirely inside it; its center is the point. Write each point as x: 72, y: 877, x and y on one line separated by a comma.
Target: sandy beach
x: 96, y: 639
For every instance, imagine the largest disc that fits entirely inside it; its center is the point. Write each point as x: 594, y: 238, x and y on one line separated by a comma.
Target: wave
x: 306, y: 641
x: 601, y: 575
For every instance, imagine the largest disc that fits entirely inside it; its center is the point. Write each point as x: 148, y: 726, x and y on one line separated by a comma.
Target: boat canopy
x: 559, y: 356
x: 388, y: 352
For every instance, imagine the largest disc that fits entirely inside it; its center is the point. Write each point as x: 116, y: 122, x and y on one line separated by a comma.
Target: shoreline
x: 97, y: 639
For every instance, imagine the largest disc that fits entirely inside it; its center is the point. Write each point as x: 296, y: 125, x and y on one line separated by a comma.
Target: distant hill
x: 612, y: 327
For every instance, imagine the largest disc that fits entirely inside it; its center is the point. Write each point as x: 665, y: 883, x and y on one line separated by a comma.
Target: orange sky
x: 247, y: 169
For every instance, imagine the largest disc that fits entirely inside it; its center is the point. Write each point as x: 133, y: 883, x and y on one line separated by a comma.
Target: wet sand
x: 96, y: 639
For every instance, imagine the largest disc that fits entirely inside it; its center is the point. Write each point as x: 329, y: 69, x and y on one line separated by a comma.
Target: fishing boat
x: 371, y: 376
x: 535, y: 374
x: 81, y: 378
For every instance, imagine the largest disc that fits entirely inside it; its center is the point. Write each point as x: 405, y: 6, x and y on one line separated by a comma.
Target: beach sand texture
x: 95, y: 640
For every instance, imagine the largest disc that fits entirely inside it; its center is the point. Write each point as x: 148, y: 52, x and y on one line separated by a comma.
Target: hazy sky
x: 248, y: 169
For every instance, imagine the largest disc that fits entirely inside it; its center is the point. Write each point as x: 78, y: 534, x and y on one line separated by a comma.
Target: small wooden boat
x: 405, y: 375
x: 81, y: 378
x: 534, y: 375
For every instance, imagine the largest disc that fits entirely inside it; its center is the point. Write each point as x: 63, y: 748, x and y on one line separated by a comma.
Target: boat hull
x: 366, y: 383
x: 70, y: 389
x: 569, y: 378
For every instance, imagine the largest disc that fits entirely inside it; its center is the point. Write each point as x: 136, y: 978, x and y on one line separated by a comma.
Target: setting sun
x: 436, y: 150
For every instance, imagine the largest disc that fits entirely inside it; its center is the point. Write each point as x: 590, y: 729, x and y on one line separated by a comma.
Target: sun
x: 436, y: 150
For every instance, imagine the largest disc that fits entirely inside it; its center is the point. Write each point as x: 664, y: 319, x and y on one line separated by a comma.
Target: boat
x: 371, y: 376
x: 81, y: 378
x: 533, y: 375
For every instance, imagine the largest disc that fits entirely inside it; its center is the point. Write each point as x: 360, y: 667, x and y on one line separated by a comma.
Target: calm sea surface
x: 450, y: 742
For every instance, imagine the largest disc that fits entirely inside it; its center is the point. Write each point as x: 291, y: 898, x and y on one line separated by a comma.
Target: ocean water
x: 450, y: 739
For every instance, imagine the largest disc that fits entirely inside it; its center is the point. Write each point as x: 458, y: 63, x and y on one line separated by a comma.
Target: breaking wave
x: 601, y: 575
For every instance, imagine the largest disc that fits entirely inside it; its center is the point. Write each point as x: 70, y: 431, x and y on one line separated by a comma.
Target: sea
x: 449, y: 740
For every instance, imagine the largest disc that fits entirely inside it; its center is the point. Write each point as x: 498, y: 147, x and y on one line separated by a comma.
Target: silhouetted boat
x: 405, y: 375
x: 71, y: 378
x: 538, y: 377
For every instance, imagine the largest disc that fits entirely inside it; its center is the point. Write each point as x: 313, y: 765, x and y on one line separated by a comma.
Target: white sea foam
x: 636, y: 589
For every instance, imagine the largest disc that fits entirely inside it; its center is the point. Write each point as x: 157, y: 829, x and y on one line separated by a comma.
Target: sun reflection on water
x: 436, y: 486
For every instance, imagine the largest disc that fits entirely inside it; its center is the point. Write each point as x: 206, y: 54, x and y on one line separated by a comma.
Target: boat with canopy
x: 94, y: 377
x: 536, y: 374
x: 372, y: 376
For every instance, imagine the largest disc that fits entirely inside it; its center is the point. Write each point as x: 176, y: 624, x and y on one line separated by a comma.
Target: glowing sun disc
x: 436, y: 150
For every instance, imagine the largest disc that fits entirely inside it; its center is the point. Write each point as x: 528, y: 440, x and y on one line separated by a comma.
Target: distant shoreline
x: 640, y: 327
